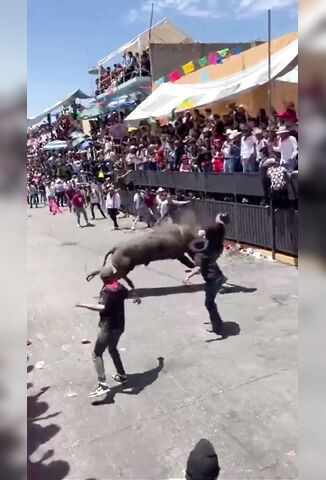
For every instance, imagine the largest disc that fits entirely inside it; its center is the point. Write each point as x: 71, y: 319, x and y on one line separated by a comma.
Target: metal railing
x: 236, y: 184
x: 265, y: 227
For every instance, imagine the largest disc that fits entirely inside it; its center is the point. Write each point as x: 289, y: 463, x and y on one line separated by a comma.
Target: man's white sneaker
x: 102, y: 389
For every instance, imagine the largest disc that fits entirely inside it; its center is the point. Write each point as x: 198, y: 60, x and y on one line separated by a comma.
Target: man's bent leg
x: 211, y: 290
x: 92, y: 211
x: 100, y: 209
x: 186, y: 261
x: 83, y: 211
x: 77, y: 210
x: 100, y: 346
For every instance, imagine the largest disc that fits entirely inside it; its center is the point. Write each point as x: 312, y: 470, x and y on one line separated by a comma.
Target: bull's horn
x: 198, y: 245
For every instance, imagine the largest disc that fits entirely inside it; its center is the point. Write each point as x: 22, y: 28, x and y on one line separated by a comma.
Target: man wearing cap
x: 202, y: 462
x: 112, y: 323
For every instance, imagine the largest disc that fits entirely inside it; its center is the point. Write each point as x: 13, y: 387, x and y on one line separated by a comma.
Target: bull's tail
x: 90, y: 276
x: 107, y: 256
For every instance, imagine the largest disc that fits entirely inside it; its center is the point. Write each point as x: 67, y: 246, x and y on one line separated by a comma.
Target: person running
x: 206, y: 265
x: 78, y: 203
x: 112, y: 324
x: 113, y: 204
x: 95, y: 201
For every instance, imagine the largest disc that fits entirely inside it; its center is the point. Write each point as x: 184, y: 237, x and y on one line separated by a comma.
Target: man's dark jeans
x: 93, y: 205
x: 60, y: 198
x: 107, y: 339
x: 211, y: 289
x: 113, y: 212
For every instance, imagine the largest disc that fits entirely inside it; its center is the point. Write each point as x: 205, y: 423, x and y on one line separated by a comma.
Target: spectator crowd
x: 187, y: 142
x: 132, y: 65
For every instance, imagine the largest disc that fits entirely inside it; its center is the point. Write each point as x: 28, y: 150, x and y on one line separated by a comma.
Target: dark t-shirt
x: 208, y: 266
x: 215, y: 235
x: 113, y: 298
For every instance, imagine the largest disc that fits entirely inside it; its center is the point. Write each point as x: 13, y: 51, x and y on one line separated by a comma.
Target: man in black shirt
x: 112, y: 323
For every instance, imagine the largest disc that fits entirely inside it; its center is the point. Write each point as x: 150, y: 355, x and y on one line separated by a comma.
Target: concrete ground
x: 240, y: 393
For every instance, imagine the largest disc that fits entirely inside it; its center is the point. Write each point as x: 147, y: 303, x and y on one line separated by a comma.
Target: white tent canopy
x: 169, y: 96
x: 62, y: 103
x: 290, y: 77
x: 163, y: 32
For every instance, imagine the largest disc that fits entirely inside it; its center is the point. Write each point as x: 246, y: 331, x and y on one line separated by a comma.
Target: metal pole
x: 150, y: 37
x: 151, y: 25
x: 269, y: 68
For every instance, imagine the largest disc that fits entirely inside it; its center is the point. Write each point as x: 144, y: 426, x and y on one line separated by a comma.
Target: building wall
x: 168, y: 57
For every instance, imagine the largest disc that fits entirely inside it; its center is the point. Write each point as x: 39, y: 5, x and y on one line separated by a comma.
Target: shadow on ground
x: 230, y: 329
x: 136, y: 383
x: 163, y: 291
x: 37, y: 438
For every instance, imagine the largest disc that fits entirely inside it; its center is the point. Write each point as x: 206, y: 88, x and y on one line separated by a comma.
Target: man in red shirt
x: 70, y: 193
x: 78, y: 203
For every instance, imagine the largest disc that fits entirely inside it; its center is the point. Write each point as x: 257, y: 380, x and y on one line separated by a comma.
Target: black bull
x: 168, y: 242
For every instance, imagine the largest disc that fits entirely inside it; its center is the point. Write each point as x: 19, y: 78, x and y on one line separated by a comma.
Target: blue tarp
x: 134, y: 85
x: 56, y: 145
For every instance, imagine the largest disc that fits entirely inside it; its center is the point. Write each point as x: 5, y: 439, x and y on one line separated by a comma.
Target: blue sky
x: 67, y: 37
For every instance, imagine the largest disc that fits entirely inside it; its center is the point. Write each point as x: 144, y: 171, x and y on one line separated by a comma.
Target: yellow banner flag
x: 188, y: 68
x: 187, y: 104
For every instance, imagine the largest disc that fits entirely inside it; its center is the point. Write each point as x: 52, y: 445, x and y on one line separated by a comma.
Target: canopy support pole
x: 269, y: 20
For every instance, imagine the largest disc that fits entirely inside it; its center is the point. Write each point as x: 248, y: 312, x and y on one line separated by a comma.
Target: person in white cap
x: 160, y: 197
x: 248, y: 151
x: 288, y: 148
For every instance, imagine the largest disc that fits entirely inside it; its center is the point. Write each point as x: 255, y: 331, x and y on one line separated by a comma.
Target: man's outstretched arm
x: 88, y: 306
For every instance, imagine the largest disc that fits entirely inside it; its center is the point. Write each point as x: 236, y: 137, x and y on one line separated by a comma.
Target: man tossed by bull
x: 206, y: 265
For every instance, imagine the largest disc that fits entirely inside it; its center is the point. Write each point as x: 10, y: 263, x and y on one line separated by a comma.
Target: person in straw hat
x: 231, y: 151
x: 288, y: 148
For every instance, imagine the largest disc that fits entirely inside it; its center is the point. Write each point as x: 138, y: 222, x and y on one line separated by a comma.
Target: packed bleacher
x: 132, y: 65
x: 200, y: 142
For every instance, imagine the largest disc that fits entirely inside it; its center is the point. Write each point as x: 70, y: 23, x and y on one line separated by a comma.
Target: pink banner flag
x: 174, y: 76
x: 212, y: 58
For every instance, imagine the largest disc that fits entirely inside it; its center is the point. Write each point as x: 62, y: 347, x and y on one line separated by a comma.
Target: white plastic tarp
x: 169, y: 96
x: 290, y: 77
x: 62, y: 103
x: 163, y: 32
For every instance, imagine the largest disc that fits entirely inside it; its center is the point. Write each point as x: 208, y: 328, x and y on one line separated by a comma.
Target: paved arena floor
x: 240, y: 393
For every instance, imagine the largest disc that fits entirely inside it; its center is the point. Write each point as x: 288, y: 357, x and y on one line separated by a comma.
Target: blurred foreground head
x: 203, y: 463
x: 12, y: 141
